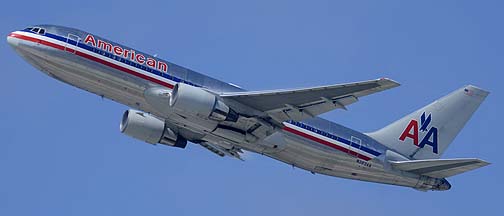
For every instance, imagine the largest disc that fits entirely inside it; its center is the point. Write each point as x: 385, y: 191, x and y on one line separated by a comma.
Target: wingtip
x: 388, y: 82
x: 485, y: 163
x: 479, y: 161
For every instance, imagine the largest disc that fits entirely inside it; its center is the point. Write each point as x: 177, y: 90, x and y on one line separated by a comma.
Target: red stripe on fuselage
x: 326, y: 143
x: 92, y: 58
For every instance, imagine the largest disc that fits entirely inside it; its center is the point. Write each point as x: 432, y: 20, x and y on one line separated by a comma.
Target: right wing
x: 221, y: 151
x: 299, y: 104
x: 439, y: 168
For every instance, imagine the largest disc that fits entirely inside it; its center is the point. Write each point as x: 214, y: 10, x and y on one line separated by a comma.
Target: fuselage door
x: 355, y: 144
x: 71, y: 42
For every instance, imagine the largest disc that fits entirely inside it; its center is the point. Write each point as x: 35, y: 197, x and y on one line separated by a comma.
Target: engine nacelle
x: 198, y: 102
x: 150, y: 129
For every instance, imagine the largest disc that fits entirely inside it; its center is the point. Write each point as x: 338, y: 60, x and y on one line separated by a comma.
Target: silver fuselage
x: 63, y: 54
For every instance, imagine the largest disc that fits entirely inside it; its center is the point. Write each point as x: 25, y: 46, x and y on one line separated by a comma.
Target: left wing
x: 298, y: 104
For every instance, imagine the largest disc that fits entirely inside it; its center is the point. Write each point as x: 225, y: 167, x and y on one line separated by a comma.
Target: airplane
x: 173, y: 105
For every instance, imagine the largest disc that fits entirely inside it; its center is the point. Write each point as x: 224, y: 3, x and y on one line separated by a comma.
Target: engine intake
x: 196, y: 101
x: 150, y: 129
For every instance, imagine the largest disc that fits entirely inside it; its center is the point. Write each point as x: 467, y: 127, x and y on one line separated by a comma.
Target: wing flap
x: 439, y: 168
x: 221, y: 151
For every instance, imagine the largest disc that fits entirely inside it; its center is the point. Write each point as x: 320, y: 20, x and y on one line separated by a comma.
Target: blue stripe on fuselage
x: 334, y: 137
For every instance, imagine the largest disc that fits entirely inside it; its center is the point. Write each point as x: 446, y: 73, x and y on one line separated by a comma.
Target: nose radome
x: 12, y: 40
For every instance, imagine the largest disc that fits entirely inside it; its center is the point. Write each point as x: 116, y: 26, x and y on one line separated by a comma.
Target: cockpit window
x: 36, y: 30
x: 28, y: 29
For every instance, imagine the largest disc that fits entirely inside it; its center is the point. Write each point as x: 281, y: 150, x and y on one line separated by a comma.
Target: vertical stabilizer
x: 427, y: 132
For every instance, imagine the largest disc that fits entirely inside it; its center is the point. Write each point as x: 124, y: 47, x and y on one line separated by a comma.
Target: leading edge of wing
x: 383, y: 84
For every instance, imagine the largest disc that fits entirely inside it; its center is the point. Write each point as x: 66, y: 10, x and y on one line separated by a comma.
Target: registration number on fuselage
x: 363, y: 163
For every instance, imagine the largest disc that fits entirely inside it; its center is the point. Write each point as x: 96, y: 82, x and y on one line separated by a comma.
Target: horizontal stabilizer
x: 439, y: 168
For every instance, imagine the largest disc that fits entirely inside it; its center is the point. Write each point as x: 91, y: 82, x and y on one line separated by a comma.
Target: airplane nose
x: 12, y: 40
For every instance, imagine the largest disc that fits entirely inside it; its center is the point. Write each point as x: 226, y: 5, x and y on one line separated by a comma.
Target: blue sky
x: 62, y: 153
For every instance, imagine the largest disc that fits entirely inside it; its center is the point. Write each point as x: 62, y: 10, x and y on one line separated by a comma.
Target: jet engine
x: 150, y: 129
x: 198, y: 102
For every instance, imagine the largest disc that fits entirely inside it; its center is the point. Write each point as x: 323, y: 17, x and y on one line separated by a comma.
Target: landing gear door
x: 71, y: 42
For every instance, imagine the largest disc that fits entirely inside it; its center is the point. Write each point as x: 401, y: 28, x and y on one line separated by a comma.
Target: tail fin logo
x: 412, y: 132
